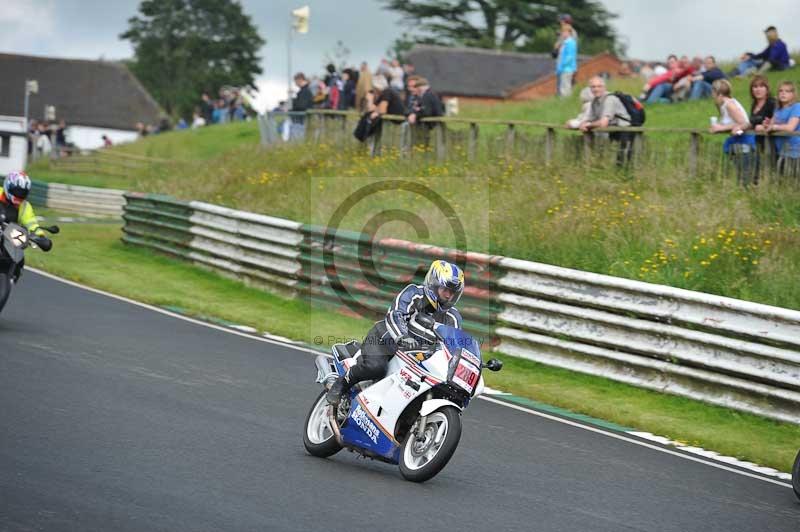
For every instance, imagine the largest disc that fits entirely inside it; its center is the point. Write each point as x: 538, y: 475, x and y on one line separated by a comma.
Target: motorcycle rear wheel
x: 318, y: 438
x: 796, y: 475
x: 422, y: 460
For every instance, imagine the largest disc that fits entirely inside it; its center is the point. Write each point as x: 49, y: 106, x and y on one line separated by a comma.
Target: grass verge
x: 94, y: 255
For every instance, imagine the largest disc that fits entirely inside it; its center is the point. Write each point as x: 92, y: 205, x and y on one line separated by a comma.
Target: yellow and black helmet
x: 443, y: 274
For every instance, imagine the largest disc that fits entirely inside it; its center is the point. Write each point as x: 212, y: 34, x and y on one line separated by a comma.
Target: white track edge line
x: 172, y: 314
x: 619, y: 436
x: 485, y: 398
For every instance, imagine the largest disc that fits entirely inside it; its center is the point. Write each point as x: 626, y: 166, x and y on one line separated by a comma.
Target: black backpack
x: 633, y: 106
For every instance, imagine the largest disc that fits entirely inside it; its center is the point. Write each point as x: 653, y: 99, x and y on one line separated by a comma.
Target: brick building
x: 477, y: 74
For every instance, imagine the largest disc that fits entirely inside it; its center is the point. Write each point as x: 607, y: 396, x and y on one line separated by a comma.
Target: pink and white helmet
x: 17, y: 186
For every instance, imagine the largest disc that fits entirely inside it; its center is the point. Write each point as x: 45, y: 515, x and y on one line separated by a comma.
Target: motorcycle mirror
x: 54, y: 229
x: 493, y: 365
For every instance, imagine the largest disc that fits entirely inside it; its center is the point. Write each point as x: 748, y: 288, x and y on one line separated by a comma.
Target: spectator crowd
x: 684, y: 79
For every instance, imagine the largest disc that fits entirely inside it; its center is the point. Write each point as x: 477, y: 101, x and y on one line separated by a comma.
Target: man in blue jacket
x: 774, y: 57
x: 567, y: 60
x: 399, y: 330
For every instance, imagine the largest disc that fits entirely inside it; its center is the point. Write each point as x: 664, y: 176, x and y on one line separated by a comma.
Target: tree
x: 185, y: 47
x: 519, y: 25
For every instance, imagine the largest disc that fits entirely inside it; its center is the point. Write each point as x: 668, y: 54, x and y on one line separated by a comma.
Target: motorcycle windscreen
x: 465, y: 366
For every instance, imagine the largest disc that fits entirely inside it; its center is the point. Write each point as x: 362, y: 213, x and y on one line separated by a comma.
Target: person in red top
x: 660, y: 87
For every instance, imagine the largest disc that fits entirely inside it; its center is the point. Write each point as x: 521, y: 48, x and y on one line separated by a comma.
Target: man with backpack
x: 613, y: 110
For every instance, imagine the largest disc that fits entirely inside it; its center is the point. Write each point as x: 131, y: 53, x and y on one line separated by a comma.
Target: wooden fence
x: 695, y: 150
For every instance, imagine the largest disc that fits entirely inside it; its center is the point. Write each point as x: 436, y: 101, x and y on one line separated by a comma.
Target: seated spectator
x: 662, y: 87
x: 787, y: 118
x: 586, y: 106
x: 106, y: 141
x: 733, y: 119
x: 386, y: 99
x: 427, y: 103
x: 774, y: 57
x: 660, y: 78
x: 683, y: 87
x: 607, y: 110
x: 701, y: 82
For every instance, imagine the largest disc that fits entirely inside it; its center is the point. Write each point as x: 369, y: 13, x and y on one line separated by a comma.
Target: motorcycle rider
x: 15, y: 208
x: 442, y: 288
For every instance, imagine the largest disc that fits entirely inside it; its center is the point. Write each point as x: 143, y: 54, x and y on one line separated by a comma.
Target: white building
x: 94, y: 98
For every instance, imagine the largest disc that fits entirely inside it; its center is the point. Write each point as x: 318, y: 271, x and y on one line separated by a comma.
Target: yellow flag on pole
x: 301, y: 19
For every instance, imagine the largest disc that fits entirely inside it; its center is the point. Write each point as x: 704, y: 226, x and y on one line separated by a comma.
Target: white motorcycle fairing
x: 378, y: 417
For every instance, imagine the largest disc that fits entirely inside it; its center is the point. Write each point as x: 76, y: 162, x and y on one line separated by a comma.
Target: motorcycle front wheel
x: 318, y: 438
x: 796, y: 475
x: 5, y: 290
x: 421, y: 458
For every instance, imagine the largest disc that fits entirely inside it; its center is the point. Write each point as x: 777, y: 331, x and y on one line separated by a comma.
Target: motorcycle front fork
x: 420, y: 433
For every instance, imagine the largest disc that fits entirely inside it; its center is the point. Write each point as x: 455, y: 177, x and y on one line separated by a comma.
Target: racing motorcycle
x: 796, y: 475
x: 410, y: 418
x: 14, y: 240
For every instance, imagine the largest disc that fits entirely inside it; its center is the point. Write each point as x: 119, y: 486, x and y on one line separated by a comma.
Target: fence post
x: 441, y: 149
x: 636, y: 147
x: 510, y: 137
x: 472, y: 146
x: 344, y: 129
x: 766, y: 166
x: 587, y: 147
x: 549, y: 145
x: 375, y: 143
x: 694, y: 150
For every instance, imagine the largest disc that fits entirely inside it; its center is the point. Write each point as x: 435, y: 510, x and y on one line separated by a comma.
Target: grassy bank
x: 94, y: 255
x: 656, y: 224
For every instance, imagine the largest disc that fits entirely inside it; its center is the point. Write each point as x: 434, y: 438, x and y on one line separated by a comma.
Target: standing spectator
x: 387, y: 100
x: 567, y: 60
x: 348, y: 96
x: 106, y: 141
x: 397, y: 81
x: 43, y: 143
x: 733, y: 119
x: 197, y: 119
x: 300, y: 104
x: 428, y: 104
x: 701, y: 82
x: 586, y: 98
x: 363, y: 85
x: 304, y: 99
x: 787, y: 118
x: 775, y: 56
x: 61, y: 138
x: 206, y: 107
x: 608, y: 111
x: 384, y: 69
x: 762, y: 109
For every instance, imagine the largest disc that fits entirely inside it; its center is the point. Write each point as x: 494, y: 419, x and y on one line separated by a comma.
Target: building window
x: 5, y: 145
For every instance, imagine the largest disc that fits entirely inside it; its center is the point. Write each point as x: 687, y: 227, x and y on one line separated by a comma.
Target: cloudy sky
x: 651, y: 28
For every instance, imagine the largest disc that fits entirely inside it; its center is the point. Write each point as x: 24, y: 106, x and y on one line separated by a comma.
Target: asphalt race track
x: 114, y: 417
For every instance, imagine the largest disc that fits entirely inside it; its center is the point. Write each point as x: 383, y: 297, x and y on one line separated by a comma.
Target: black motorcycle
x: 14, y: 240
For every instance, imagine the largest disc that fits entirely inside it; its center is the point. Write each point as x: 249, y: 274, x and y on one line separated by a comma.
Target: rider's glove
x: 44, y: 243
x: 407, y: 343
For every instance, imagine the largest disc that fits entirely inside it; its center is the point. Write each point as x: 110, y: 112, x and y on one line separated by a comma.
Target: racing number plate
x: 466, y: 375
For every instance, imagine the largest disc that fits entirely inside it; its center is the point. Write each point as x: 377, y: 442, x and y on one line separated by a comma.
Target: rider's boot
x: 338, y: 388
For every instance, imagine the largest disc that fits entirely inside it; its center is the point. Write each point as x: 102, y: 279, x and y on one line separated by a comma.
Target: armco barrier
x: 78, y: 199
x: 257, y: 249
x: 723, y: 351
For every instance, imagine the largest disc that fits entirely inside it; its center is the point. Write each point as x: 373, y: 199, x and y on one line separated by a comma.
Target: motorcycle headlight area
x: 17, y: 237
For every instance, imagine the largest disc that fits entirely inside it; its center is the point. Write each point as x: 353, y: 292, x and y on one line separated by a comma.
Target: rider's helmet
x: 444, y: 284
x: 16, y: 187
